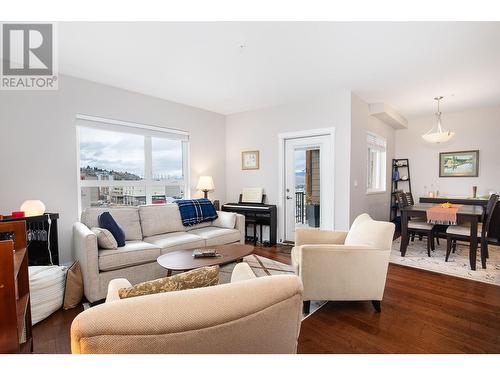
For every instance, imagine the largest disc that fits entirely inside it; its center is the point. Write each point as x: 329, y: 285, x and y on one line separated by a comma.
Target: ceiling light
x: 437, y: 134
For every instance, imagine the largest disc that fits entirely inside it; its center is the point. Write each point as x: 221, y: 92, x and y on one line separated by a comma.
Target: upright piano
x: 257, y: 213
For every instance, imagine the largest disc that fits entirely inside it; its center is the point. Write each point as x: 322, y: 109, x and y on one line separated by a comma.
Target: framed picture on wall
x: 250, y: 160
x: 459, y: 164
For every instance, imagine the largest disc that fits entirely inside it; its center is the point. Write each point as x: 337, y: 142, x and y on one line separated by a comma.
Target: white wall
x: 258, y: 130
x: 476, y: 129
x: 377, y: 205
x: 38, y: 142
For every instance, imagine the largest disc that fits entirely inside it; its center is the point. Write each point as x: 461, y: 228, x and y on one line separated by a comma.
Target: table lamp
x: 33, y: 208
x: 205, y: 184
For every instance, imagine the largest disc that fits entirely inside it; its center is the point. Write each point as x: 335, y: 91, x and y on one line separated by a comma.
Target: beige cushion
x: 197, y: 278
x: 295, y: 255
x: 133, y: 253
x: 418, y: 218
x: 176, y: 241
x: 159, y: 219
x: 242, y: 272
x: 366, y: 231
x: 463, y: 230
x: 198, y: 226
x: 217, y: 236
x: 126, y: 217
x: 225, y: 220
x: 73, y: 290
x: 105, y: 239
x: 420, y: 225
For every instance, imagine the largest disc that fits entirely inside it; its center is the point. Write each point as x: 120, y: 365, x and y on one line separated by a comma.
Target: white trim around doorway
x: 282, y: 137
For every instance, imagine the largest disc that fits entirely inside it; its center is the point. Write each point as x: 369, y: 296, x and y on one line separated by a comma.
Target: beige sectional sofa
x: 150, y: 231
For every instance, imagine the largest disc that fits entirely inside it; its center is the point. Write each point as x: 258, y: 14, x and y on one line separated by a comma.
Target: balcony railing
x: 300, y: 204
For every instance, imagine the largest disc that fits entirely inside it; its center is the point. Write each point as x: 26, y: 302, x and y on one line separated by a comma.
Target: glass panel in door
x: 307, y: 188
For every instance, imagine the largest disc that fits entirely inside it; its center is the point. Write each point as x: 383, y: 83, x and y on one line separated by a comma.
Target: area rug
x: 457, y: 265
x: 262, y: 266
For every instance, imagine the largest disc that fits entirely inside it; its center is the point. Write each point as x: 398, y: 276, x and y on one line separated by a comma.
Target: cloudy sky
x: 300, y: 161
x: 125, y: 153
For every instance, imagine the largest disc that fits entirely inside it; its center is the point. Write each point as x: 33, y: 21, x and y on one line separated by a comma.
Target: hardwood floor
x: 52, y: 334
x: 422, y: 312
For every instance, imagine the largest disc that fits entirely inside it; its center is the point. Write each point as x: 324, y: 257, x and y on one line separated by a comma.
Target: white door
x: 308, y: 184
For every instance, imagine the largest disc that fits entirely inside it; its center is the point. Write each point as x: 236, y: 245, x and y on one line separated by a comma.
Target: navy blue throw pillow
x: 106, y: 221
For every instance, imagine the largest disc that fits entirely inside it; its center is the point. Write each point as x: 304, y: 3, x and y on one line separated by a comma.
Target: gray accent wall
x: 375, y: 204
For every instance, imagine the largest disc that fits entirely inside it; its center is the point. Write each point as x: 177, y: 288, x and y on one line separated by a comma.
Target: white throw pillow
x: 359, y: 233
x: 105, y: 239
x: 225, y: 220
x: 369, y: 232
x: 46, y: 290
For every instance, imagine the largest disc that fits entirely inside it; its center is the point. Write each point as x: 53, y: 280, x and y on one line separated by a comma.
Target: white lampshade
x: 205, y: 183
x: 33, y: 208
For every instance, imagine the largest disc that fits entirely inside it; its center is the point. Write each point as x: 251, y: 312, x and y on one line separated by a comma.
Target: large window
x: 376, y: 178
x: 124, y: 164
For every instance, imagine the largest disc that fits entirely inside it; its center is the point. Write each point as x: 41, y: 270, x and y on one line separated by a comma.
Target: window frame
x: 376, y: 142
x: 148, y: 132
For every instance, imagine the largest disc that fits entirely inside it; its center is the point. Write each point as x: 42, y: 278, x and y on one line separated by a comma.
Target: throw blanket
x: 195, y: 211
x: 443, y: 215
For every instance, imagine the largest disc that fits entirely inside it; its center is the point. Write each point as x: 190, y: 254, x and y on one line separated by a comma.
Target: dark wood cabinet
x: 38, y: 248
x: 15, y: 311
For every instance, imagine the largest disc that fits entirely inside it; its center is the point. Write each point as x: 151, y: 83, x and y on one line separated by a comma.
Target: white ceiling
x: 203, y: 65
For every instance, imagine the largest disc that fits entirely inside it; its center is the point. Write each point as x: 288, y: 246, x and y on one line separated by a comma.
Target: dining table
x: 471, y: 214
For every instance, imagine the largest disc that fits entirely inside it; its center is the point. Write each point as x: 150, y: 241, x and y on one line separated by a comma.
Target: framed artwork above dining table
x: 459, y: 164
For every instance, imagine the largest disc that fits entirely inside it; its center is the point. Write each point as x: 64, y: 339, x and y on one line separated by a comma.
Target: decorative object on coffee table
x: 205, y: 253
x: 250, y: 160
x: 183, y: 260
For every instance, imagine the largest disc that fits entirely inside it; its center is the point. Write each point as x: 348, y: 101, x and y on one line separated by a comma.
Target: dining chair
x: 411, y: 202
x: 417, y: 227
x: 409, y: 198
x: 462, y: 232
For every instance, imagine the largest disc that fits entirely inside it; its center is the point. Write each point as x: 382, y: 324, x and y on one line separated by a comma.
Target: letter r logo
x: 27, y: 49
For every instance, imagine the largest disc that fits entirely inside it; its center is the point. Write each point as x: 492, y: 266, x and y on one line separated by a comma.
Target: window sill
x: 371, y: 192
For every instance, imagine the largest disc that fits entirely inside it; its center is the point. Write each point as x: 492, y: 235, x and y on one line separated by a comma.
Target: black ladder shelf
x: 400, y: 168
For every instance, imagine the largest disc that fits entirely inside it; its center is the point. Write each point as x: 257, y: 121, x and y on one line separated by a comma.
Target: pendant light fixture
x: 437, y: 134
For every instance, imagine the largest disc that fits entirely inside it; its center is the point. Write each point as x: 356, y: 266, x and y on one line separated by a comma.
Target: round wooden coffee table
x: 183, y: 260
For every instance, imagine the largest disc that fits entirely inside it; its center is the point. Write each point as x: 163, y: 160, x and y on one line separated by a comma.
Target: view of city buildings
x: 133, y: 195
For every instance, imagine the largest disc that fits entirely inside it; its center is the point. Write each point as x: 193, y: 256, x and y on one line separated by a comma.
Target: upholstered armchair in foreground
x: 249, y: 315
x: 344, y: 266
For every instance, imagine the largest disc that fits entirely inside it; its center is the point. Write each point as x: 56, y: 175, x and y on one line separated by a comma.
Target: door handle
x: 288, y: 197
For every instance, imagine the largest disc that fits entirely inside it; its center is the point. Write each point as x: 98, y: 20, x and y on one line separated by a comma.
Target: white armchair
x: 344, y: 266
